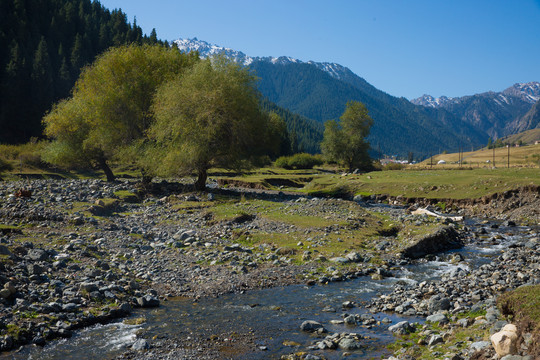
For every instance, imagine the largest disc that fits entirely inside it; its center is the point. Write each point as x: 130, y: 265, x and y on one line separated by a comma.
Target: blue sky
x: 404, y: 47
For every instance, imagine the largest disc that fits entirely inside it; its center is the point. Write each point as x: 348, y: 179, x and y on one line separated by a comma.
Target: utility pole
x: 493, y: 155
x: 508, y: 146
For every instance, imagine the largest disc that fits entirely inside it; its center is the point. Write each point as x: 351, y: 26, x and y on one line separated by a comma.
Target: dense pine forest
x: 43, y: 46
x: 305, y: 134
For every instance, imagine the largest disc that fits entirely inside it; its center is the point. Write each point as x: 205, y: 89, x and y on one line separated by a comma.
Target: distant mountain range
x: 498, y: 114
x: 531, y: 120
x: 319, y: 91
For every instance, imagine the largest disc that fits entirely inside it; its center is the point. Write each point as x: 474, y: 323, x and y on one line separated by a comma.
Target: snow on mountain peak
x: 206, y: 49
x: 430, y: 101
x: 529, y: 92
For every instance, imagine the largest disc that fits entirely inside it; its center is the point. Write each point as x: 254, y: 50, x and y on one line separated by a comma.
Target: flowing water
x: 272, y: 315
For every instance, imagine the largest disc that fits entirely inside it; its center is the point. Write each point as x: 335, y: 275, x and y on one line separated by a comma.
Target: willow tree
x: 345, y: 141
x: 109, y: 110
x: 208, y: 117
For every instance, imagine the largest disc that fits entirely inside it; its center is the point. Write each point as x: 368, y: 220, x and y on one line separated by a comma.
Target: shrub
x: 299, y: 161
x: 282, y: 162
x: 4, y: 166
x: 393, y: 166
x: 28, y: 154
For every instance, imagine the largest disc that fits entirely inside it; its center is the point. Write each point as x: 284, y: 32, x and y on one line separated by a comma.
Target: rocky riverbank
x: 461, y: 308
x: 76, y: 253
x: 79, y: 252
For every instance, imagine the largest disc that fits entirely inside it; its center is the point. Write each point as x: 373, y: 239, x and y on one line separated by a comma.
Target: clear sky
x: 404, y: 47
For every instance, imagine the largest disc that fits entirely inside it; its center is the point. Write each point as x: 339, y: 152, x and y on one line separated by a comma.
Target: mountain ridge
x: 206, y: 49
x: 529, y: 92
x: 320, y: 90
x: 498, y: 114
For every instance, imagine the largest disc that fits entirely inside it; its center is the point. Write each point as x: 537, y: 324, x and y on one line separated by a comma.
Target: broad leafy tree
x: 345, y: 141
x: 278, y: 141
x: 208, y: 117
x: 110, y: 111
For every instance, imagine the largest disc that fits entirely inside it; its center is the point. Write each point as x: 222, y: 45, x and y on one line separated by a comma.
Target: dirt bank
x: 520, y: 205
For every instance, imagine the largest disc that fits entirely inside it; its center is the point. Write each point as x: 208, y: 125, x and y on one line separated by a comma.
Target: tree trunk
x: 350, y: 165
x: 106, y: 169
x: 200, y: 184
x: 146, y: 178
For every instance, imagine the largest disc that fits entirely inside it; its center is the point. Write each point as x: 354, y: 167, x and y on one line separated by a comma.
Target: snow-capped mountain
x: 528, y: 92
x: 497, y: 113
x: 206, y: 49
x: 430, y: 101
x: 320, y: 90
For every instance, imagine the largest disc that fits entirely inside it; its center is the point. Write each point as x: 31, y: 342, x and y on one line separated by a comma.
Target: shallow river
x: 274, y: 315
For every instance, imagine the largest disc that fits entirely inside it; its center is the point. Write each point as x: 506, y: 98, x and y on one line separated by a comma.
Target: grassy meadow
x: 476, y: 178
x: 522, y: 156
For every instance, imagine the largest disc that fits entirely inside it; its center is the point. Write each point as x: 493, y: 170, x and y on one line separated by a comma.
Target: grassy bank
x: 437, y: 182
x: 522, y: 306
x: 522, y: 156
x: 453, y: 184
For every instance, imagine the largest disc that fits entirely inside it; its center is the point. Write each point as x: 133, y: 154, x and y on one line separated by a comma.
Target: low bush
x: 4, y: 166
x: 299, y: 161
x: 26, y: 154
x: 394, y: 166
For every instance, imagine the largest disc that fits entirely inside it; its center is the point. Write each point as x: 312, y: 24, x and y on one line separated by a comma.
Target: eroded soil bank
x: 521, y: 205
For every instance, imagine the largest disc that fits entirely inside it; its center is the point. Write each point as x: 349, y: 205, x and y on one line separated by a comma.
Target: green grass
x: 483, y: 158
x: 458, y: 339
x: 359, y: 230
x: 433, y: 183
x: 522, y: 307
x: 437, y: 184
x: 522, y: 303
x: 126, y: 196
x: 8, y: 227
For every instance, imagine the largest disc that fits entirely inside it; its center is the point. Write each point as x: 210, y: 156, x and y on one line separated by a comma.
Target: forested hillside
x: 399, y: 126
x: 531, y: 120
x: 305, y: 134
x: 497, y: 114
x: 43, y: 46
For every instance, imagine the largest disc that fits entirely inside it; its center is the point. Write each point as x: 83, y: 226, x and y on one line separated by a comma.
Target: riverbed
x: 272, y: 317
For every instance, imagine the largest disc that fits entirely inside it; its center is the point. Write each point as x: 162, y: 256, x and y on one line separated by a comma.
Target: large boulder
x: 443, y: 239
x: 438, y: 303
x: 148, y: 301
x: 38, y: 255
x: 401, y: 328
x: 354, y: 257
x: 349, y: 344
x: 505, y: 341
x: 437, y: 318
x: 140, y: 344
x: 311, y: 326
x: 5, y: 251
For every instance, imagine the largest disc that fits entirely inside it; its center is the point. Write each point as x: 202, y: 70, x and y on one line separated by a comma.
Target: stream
x: 273, y: 315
